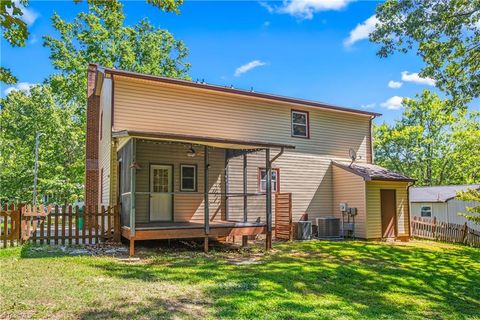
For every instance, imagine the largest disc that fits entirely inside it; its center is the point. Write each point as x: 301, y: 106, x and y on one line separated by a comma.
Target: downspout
x: 282, y: 149
x: 410, y: 184
x: 370, y: 144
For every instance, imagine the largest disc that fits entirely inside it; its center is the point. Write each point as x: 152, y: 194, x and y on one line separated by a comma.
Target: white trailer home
x: 439, y: 202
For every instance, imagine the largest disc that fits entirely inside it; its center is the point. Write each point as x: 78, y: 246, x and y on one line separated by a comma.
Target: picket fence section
x: 432, y: 229
x: 58, y: 224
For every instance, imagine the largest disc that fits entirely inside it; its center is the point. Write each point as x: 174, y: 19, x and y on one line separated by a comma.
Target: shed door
x: 389, y: 213
x: 161, y: 198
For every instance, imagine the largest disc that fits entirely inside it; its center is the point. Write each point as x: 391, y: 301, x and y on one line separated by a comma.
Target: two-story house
x: 187, y: 159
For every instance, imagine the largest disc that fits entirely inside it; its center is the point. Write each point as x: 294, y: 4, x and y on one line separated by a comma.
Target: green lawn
x: 308, y: 280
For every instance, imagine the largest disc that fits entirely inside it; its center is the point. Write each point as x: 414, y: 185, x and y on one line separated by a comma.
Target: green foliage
x: 432, y: 143
x: 445, y: 34
x: 473, y: 213
x: 60, y: 170
x: 167, y: 5
x: 100, y: 36
x: 13, y: 27
x: 14, y: 30
x: 6, y: 76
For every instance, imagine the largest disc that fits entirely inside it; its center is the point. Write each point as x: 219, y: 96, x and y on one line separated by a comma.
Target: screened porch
x: 172, y: 187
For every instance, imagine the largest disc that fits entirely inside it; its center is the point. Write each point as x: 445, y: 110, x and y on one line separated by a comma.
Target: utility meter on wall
x: 343, y: 206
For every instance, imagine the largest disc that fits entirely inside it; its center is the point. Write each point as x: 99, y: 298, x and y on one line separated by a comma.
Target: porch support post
x: 245, y: 200
x: 227, y: 187
x: 206, y: 190
x: 133, y: 172
x: 268, y: 171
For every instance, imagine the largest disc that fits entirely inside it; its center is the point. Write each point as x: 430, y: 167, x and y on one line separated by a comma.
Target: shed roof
x: 438, y: 193
x: 249, y: 93
x: 371, y: 172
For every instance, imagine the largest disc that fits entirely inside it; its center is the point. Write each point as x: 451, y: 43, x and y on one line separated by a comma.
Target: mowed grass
x: 300, y: 280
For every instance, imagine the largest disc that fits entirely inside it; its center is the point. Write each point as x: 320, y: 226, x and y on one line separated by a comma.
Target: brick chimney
x: 91, y: 155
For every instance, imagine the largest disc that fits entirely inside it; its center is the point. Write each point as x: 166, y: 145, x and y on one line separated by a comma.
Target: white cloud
x: 414, y: 77
x: 304, y: 9
x: 248, y: 66
x: 393, y: 103
x: 361, y: 31
x: 266, y: 24
x: 368, y: 106
x: 19, y: 86
x: 29, y: 15
x: 267, y: 6
x: 394, y: 84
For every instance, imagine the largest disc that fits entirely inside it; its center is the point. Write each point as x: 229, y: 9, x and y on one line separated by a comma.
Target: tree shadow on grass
x: 312, y: 280
x: 353, y: 279
x: 151, y: 309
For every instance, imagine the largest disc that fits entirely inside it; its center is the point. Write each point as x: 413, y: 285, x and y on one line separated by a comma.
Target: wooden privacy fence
x: 58, y: 224
x: 442, y: 231
x: 283, y: 216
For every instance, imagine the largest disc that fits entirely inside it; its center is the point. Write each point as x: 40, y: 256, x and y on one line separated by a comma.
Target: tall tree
x: 100, y: 36
x: 444, y: 33
x: 15, y: 29
x: 432, y: 143
x: 60, y: 169
x: 56, y: 108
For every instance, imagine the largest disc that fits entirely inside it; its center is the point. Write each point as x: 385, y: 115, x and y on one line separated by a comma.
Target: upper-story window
x: 300, y: 124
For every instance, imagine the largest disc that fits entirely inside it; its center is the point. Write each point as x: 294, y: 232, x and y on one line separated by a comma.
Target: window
x: 426, y: 212
x: 188, y: 177
x: 300, y: 125
x: 275, y: 180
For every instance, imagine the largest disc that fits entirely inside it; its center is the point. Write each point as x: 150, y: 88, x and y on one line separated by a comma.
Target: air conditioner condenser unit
x: 328, y: 227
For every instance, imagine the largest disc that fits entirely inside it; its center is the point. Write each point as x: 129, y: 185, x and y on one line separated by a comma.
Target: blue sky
x: 312, y: 49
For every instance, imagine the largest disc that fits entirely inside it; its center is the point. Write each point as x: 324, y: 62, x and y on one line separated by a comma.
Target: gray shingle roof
x: 438, y: 193
x: 372, y: 172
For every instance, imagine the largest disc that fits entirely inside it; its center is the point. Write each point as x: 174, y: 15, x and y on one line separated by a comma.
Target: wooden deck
x: 185, y: 230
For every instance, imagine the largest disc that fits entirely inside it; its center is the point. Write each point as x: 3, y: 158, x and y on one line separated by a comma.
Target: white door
x: 161, y: 186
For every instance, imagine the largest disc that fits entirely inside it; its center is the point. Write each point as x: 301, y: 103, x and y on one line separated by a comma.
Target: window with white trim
x: 188, y: 177
x: 275, y: 180
x: 426, y: 211
x: 300, y: 125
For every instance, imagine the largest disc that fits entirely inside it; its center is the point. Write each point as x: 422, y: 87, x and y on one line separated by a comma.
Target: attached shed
x: 439, y: 202
x: 380, y: 196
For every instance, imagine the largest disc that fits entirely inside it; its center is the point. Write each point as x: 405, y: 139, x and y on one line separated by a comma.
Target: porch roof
x: 203, y: 140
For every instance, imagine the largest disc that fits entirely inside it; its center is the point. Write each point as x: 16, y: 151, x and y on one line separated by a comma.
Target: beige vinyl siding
x: 195, y: 111
x: 188, y: 206
x: 307, y: 176
x: 374, y: 217
x: 350, y: 188
x: 105, y: 148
